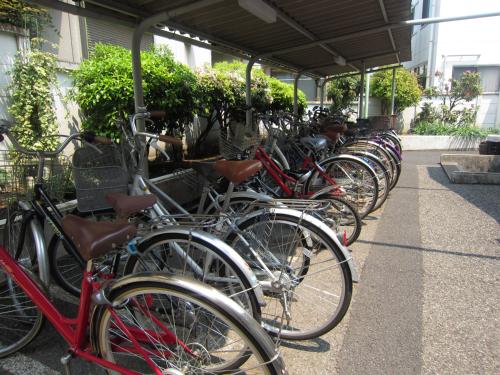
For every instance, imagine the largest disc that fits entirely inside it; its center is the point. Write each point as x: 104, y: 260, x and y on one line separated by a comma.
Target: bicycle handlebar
x: 5, y: 130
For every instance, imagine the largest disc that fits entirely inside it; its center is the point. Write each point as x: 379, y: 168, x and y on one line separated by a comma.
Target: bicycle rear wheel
x: 184, y: 327
x: 20, y: 319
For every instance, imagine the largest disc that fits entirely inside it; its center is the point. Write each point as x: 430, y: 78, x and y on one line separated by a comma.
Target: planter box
x: 439, y: 142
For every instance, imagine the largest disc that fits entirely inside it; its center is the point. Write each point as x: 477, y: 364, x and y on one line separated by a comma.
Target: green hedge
x: 439, y: 128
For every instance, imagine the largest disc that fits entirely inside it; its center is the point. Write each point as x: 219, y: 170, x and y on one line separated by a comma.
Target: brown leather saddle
x: 126, y: 205
x: 93, y: 239
x: 236, y: 171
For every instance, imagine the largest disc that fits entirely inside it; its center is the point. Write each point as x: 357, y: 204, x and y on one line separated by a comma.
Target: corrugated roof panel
x: 228, y: 24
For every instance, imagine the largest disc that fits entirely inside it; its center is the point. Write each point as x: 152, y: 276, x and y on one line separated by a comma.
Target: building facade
x: 443, y: 51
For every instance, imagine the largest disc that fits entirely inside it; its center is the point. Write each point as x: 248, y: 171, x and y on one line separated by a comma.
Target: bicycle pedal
x: 65, y: 361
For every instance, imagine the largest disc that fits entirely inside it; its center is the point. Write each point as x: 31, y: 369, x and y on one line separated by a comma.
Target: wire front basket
x: 238, y: 144
x: 98, y: 170
x: 18, y: 174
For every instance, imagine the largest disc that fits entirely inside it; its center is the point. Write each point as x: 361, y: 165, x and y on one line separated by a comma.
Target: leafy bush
x: 282, y: 94
x: 342, y: 92
x: 408, y: 91
x: 440, y: 128
x: 33, y: 80
x: 104, y: 88
x: 268, y: 93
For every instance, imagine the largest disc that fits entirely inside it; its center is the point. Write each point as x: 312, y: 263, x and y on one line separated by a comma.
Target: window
x: 425, y: 8
x: 490, y: 76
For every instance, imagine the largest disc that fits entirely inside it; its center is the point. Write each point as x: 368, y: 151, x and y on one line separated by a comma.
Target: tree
x: 454, y: 93
x: 342, y: 92
x: 408, y: 91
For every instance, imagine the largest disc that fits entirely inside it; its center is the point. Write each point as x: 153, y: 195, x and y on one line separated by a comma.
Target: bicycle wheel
x: 200, y: 258
x: 342, y: 218
x: 356, y: 177
x: 382, y: 175
x: 307, y: 284
x: 20, y: 319
x: 184, y: 327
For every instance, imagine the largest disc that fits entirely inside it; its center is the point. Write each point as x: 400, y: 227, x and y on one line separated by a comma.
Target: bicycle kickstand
x: 65, y: 361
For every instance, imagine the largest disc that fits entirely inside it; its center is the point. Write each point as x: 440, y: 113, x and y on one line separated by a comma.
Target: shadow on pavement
x: 484, y: 197
x: 315, y: 345
x: 430, y: 250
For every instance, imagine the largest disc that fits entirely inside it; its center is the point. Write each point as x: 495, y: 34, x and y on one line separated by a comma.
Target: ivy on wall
x: 33, y: 80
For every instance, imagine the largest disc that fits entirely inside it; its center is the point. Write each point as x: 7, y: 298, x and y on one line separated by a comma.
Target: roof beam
x: 357, y: 58
x: 389, y: 32
x: 366, y: 32
x: 307, y: 33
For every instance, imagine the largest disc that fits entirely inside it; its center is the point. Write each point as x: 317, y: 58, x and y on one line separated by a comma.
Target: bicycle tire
x: 351, y: 216
x: 346, y: 169
x: 243, y: 293
x: 25, y: 322
x: 271, y: 313
x: 382, y: 174
x: 201, y: 305
x: 242, y: 204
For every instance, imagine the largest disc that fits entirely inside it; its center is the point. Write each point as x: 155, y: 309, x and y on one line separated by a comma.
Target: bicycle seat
x: 92, y: 238
x: 126, y: 205
x: 314, y: 143
x: 237, y: 171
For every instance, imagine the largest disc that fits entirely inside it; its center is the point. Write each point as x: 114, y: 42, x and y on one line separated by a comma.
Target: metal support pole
x: 393, y: 90
x: 367, y: 95
x: 248, y: 93
x: 362, y: 91
x: 322, y: 93
x: 296, y: 93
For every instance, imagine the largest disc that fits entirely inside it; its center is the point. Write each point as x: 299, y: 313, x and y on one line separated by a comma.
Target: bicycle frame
x: 74, y: 330
x: 281, y: 177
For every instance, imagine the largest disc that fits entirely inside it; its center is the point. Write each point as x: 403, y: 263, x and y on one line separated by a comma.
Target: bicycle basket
x: 18, y: 173
x: 238, y: 145
x: 97, y: 174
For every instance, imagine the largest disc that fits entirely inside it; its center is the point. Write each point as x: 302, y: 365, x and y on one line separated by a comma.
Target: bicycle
x: 62, y: 261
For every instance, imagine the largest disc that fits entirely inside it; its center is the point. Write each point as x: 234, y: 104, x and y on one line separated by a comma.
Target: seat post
x: 227, y: 199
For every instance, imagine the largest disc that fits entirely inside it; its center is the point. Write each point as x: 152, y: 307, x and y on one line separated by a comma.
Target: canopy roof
x: 317, y: 37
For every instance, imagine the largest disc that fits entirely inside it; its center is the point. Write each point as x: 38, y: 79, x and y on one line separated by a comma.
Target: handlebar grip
x: 92, y: 138
x: 170, y: 140
x: 102, y: 140
x: 159, y: 114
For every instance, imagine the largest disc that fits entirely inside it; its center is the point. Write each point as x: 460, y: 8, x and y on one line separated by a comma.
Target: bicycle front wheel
x: 20, y: 319
x: 188, y: 254
x: 183, y: 327
x: 306, y: 279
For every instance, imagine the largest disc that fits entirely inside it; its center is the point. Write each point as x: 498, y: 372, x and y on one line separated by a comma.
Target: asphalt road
x: 428, y: 300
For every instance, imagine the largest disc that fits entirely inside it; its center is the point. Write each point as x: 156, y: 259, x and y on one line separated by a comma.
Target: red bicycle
x: 139, y: 324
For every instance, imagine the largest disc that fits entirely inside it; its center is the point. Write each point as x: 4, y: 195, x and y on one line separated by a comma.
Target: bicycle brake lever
x: 154, y: 143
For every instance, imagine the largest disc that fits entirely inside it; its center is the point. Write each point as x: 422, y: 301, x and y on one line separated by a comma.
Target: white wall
x: 479, y: 37
x: 190, y: 55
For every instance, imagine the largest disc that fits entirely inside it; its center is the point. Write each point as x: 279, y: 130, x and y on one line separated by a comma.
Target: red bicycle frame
x: 75, y: 330
x: 280, y: 176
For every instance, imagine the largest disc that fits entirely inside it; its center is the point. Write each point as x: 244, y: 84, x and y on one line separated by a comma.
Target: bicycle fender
x: 312, y: 220
x: 224, y: 248
x: 193, y: 287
